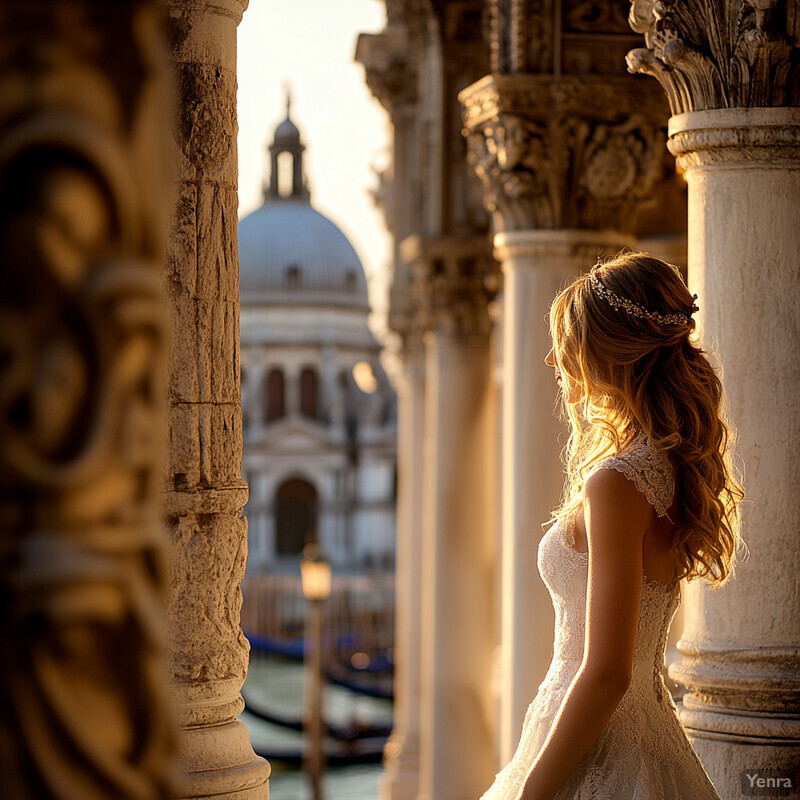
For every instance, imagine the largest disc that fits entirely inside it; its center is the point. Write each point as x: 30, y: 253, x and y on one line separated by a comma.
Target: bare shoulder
x: 612, y: 496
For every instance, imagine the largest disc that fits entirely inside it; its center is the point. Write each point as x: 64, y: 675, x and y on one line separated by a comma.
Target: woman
x: 650, y: 498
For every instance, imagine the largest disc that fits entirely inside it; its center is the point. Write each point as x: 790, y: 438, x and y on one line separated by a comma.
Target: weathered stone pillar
x: 457, y: 537
x: 85, y: 195
x: 205, y: 492
x: 565, y: 163
x: 734, y: 92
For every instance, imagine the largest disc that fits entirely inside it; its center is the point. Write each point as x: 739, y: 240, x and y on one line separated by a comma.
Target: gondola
x: 340, y: 754
x: 341, y: 733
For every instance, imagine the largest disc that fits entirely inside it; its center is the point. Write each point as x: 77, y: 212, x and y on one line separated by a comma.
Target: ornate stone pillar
x: 85, y: 196
x: 733, y: 89
x: 565, y: 163
x: 453, y: 283
x: 205, y: 491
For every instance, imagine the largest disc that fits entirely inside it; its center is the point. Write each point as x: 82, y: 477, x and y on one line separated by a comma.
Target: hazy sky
x: 310, y: 44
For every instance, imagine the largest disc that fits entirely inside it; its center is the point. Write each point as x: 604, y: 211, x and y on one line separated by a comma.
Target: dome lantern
x: 289, y: 253
x: 286, y: 179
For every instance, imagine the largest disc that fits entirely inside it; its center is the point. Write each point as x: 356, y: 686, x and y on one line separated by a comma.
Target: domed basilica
x: 319, y: 412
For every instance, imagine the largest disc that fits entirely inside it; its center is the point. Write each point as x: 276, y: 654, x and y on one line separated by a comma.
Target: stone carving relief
x: 83, y: 206
x: 735, y: 54
x: 557, y: 165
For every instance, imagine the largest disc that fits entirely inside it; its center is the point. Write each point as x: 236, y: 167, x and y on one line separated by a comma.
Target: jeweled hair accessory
x: 636, y: 310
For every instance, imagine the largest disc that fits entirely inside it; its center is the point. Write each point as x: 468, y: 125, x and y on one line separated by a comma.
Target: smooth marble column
x: 740, y: 645
x: 536, y: 264
x: 458, y: 562
x: 400, y: 780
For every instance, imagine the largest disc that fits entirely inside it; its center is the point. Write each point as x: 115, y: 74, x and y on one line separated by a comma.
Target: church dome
x: 289, y: 253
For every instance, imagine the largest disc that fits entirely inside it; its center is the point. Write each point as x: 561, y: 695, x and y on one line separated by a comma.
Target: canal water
x: 276, y: 684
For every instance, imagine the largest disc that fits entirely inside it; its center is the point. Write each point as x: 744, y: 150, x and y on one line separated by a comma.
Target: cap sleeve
x: 650, y: 472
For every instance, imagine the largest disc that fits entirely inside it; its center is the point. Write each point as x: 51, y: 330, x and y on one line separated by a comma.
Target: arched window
x: 295, y: 517
x: 294, y: 276
x: 309, y: 393
x: 285, y: 174
x: 275, y: 395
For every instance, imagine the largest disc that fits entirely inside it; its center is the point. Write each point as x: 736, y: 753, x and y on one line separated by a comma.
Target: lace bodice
x: 565, y: 572
x: 643, y: 753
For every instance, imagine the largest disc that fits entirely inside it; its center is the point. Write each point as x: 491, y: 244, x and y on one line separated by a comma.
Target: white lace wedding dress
x: 643, y: 753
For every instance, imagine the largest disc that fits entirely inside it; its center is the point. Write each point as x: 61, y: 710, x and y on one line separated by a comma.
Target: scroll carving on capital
x: 83, y: 341
x: 706, y: 55
x: 554, y: 166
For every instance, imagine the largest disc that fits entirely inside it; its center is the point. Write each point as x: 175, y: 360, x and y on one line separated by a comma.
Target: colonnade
x: 569, y: 153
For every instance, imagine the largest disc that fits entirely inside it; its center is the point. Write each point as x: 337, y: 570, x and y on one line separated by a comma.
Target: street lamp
x: 315, y: 575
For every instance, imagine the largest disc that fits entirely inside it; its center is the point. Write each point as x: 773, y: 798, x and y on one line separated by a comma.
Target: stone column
x: 85, y: 196
x: 736, y: 135
x: 565, y: 163
x: 458, y: 542
x: 391, y: 73
x: 205, y: 491
x: 402, y: 752
x: 536, y: 264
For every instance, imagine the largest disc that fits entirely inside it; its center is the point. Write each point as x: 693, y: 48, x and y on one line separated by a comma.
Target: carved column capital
x: 742, y: 55
x: 390, y: 71
x: 569, y: 152
x: 454, y: 280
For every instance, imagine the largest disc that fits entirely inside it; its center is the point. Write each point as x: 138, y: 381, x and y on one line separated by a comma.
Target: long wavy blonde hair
x: 633, y: 375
